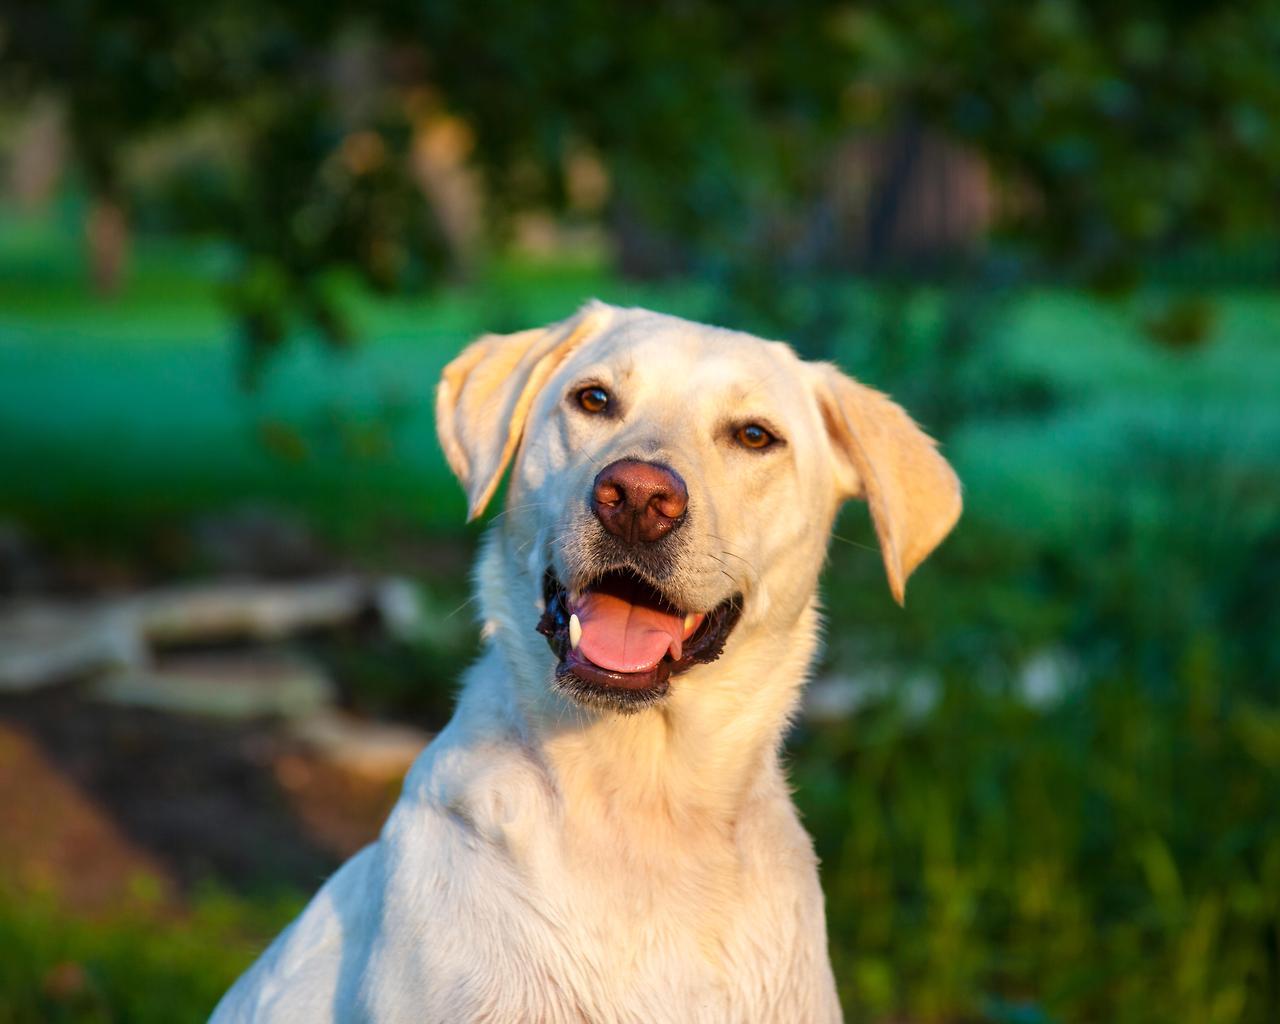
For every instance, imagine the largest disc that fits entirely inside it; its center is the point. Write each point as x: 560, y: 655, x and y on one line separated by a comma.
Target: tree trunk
x: 107, y: 242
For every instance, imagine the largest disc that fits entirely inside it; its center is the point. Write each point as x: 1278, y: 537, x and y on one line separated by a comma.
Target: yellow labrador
x: 603, y: 832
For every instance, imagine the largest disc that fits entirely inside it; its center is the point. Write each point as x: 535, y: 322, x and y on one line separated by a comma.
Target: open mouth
x: 621, y: 639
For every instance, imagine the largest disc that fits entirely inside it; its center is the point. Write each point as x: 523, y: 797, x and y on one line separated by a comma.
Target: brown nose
x: 639, y: 501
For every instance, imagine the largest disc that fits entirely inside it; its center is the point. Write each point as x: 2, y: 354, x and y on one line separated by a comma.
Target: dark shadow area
x: 207, y: 799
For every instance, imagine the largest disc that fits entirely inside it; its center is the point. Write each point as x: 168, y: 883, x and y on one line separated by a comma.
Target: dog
x: 603, y: 832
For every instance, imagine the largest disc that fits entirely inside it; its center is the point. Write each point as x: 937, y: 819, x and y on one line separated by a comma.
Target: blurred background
x: 238, y: 241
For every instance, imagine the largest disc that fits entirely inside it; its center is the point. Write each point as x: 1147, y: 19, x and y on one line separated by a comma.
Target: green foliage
x: 1105, y: 850
x: 1135, y: 124
x: 1112, y: 859
x: 1115, y: 133
x: 346, y: 438
x: 136, y: 966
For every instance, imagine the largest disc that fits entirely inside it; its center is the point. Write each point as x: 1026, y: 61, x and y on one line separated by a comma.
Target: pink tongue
x: 625, y: 637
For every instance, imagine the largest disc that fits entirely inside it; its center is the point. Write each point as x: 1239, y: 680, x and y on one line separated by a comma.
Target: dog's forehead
x: 641, y: 347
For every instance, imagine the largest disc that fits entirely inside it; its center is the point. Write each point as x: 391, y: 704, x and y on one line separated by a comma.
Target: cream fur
x: 551, y: 862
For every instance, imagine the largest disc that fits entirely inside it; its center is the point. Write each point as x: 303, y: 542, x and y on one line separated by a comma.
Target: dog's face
x: 675, y: 483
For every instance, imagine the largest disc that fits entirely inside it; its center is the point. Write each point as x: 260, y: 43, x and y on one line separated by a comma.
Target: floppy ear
x: 882, y: 456
x: 484, y: 396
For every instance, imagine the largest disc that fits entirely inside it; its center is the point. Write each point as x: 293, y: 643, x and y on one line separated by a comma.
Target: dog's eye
x: 754, y: 436
x: 593, y: 399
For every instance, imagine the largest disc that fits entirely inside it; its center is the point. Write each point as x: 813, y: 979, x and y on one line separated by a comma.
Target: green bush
x: 139, y: 967
x: 1115, y: 858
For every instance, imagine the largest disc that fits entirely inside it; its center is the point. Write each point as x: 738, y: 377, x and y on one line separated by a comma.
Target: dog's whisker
x: 724, y: 566
x: 753, y: 575
x: 592, y: 459
x: 469, y: 601
x: 520, y: 508
x: 555, y: 539
x: 855, y: 544
x: 725, y: 548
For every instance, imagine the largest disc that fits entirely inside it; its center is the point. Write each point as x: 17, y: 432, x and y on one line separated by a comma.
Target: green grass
x: 122, y: 414
x: 140, y: 967
x: 1116, y: 858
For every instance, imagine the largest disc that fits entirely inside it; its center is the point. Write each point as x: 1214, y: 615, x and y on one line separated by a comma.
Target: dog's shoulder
x: 479, y: 775
x: 455, y: 843
x: 309, y: 971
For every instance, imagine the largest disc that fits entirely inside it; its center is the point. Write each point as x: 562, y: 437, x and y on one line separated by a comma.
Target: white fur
x: 553, y: 862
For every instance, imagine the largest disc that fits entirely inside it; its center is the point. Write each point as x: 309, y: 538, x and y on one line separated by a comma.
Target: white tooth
x: 575, y: 632
x: 689, y: 621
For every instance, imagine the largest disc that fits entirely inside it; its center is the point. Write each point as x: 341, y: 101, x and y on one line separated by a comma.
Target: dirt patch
x: 59, y: 841
x: 98, y: 796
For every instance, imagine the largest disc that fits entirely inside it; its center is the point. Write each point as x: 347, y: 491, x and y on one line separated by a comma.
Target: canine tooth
x: 575, y: 632
x: 689, y: 620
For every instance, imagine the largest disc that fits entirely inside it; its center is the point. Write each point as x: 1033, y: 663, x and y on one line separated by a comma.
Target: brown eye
x: 593, y: 399
x: 754, y: 436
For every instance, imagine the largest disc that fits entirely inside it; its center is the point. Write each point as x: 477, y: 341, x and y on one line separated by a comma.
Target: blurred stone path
x: 154, y: 739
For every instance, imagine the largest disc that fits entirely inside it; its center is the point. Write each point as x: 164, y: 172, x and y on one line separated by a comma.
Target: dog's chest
x: 602, y: 933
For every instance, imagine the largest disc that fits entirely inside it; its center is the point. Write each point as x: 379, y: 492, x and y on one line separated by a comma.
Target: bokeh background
x: 239, y: 240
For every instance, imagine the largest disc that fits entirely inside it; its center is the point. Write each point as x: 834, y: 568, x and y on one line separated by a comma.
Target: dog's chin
x: 605, y: 690
x: 610, y: 688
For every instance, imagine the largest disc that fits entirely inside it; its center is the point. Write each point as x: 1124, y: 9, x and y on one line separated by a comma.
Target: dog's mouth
x: 621, y: 639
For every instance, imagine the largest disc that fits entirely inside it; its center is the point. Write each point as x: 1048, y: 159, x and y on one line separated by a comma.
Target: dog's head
x: 673, y: 482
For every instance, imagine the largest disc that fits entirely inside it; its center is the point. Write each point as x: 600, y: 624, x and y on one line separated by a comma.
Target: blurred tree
x: 1113, y: 130
x: 1128, y: 125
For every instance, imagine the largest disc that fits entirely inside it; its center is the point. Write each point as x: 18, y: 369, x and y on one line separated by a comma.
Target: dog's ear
x: 884, y: 458
x: 484, y: 396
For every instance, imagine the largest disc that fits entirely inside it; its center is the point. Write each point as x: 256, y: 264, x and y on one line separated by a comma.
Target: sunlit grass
x: 143, y: 966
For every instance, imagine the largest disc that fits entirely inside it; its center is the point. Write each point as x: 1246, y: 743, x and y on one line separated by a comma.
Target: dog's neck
x: 692, y: 762
x: 698, y: 758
